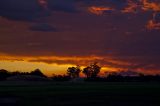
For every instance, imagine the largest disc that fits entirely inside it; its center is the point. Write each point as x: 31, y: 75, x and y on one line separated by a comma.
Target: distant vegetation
x: 4, y: 74
x: 91, y: 72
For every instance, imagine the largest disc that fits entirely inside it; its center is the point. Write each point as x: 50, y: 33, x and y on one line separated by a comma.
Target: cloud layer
x: 122, y: 33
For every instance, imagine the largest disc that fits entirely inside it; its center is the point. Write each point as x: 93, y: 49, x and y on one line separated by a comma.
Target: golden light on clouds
x: 49, y: 64
x: 144, y: 5
x: 49, y: 59
x: 99, y: 10
x: 153, y: 25
x: 150, y: 5
x: 155, y: 7
x: 131, y: 8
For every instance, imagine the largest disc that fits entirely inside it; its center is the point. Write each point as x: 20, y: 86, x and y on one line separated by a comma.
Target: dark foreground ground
x: 79, y: 94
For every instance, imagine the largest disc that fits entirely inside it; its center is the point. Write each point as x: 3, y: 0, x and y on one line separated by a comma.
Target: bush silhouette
x: 92, y: 70
x: 73, y: 72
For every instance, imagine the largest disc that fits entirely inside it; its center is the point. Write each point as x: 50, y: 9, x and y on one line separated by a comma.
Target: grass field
x: 79, y: 94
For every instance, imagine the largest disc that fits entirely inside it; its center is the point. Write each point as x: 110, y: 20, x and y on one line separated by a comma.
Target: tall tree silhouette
x: 74, y: 72
x: 92, y: 70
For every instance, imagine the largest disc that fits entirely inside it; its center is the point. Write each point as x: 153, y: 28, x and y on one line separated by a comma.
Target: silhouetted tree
x: 73, y: 72
x: 78, y: 70
x: 4, y: 74
x: 37, y: 72
x: 87, y: 71
x: 96, y: 69
x: 92, y: 70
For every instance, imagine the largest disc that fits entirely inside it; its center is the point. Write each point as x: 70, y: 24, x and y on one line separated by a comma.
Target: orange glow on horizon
x: 49, y: 59
x: 50, y: 65
x: 47, y: 69
x: 24, y: 66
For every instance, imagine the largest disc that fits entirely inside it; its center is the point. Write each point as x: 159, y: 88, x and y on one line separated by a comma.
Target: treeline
x: 90, y: 71
x: 4, y: 74
x: 73, y: 74
x: 120, y: 78
x: 116, y: 77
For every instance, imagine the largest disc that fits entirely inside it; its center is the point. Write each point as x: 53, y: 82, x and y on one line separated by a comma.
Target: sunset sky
x: 54, y: 34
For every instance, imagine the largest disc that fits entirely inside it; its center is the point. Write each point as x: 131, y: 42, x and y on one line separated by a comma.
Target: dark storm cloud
x: 32, y: 9
x: 20, y: 9
x: 62, y: 5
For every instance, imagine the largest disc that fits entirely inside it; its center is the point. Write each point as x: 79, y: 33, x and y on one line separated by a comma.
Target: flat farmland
x: 79, y: 94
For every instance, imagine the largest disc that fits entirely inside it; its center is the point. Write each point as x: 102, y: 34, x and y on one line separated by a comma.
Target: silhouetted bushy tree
x: 73, y: 72
x: 92, y: 70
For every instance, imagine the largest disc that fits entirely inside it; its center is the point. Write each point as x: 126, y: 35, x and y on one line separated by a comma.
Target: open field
x: 79, y: 94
